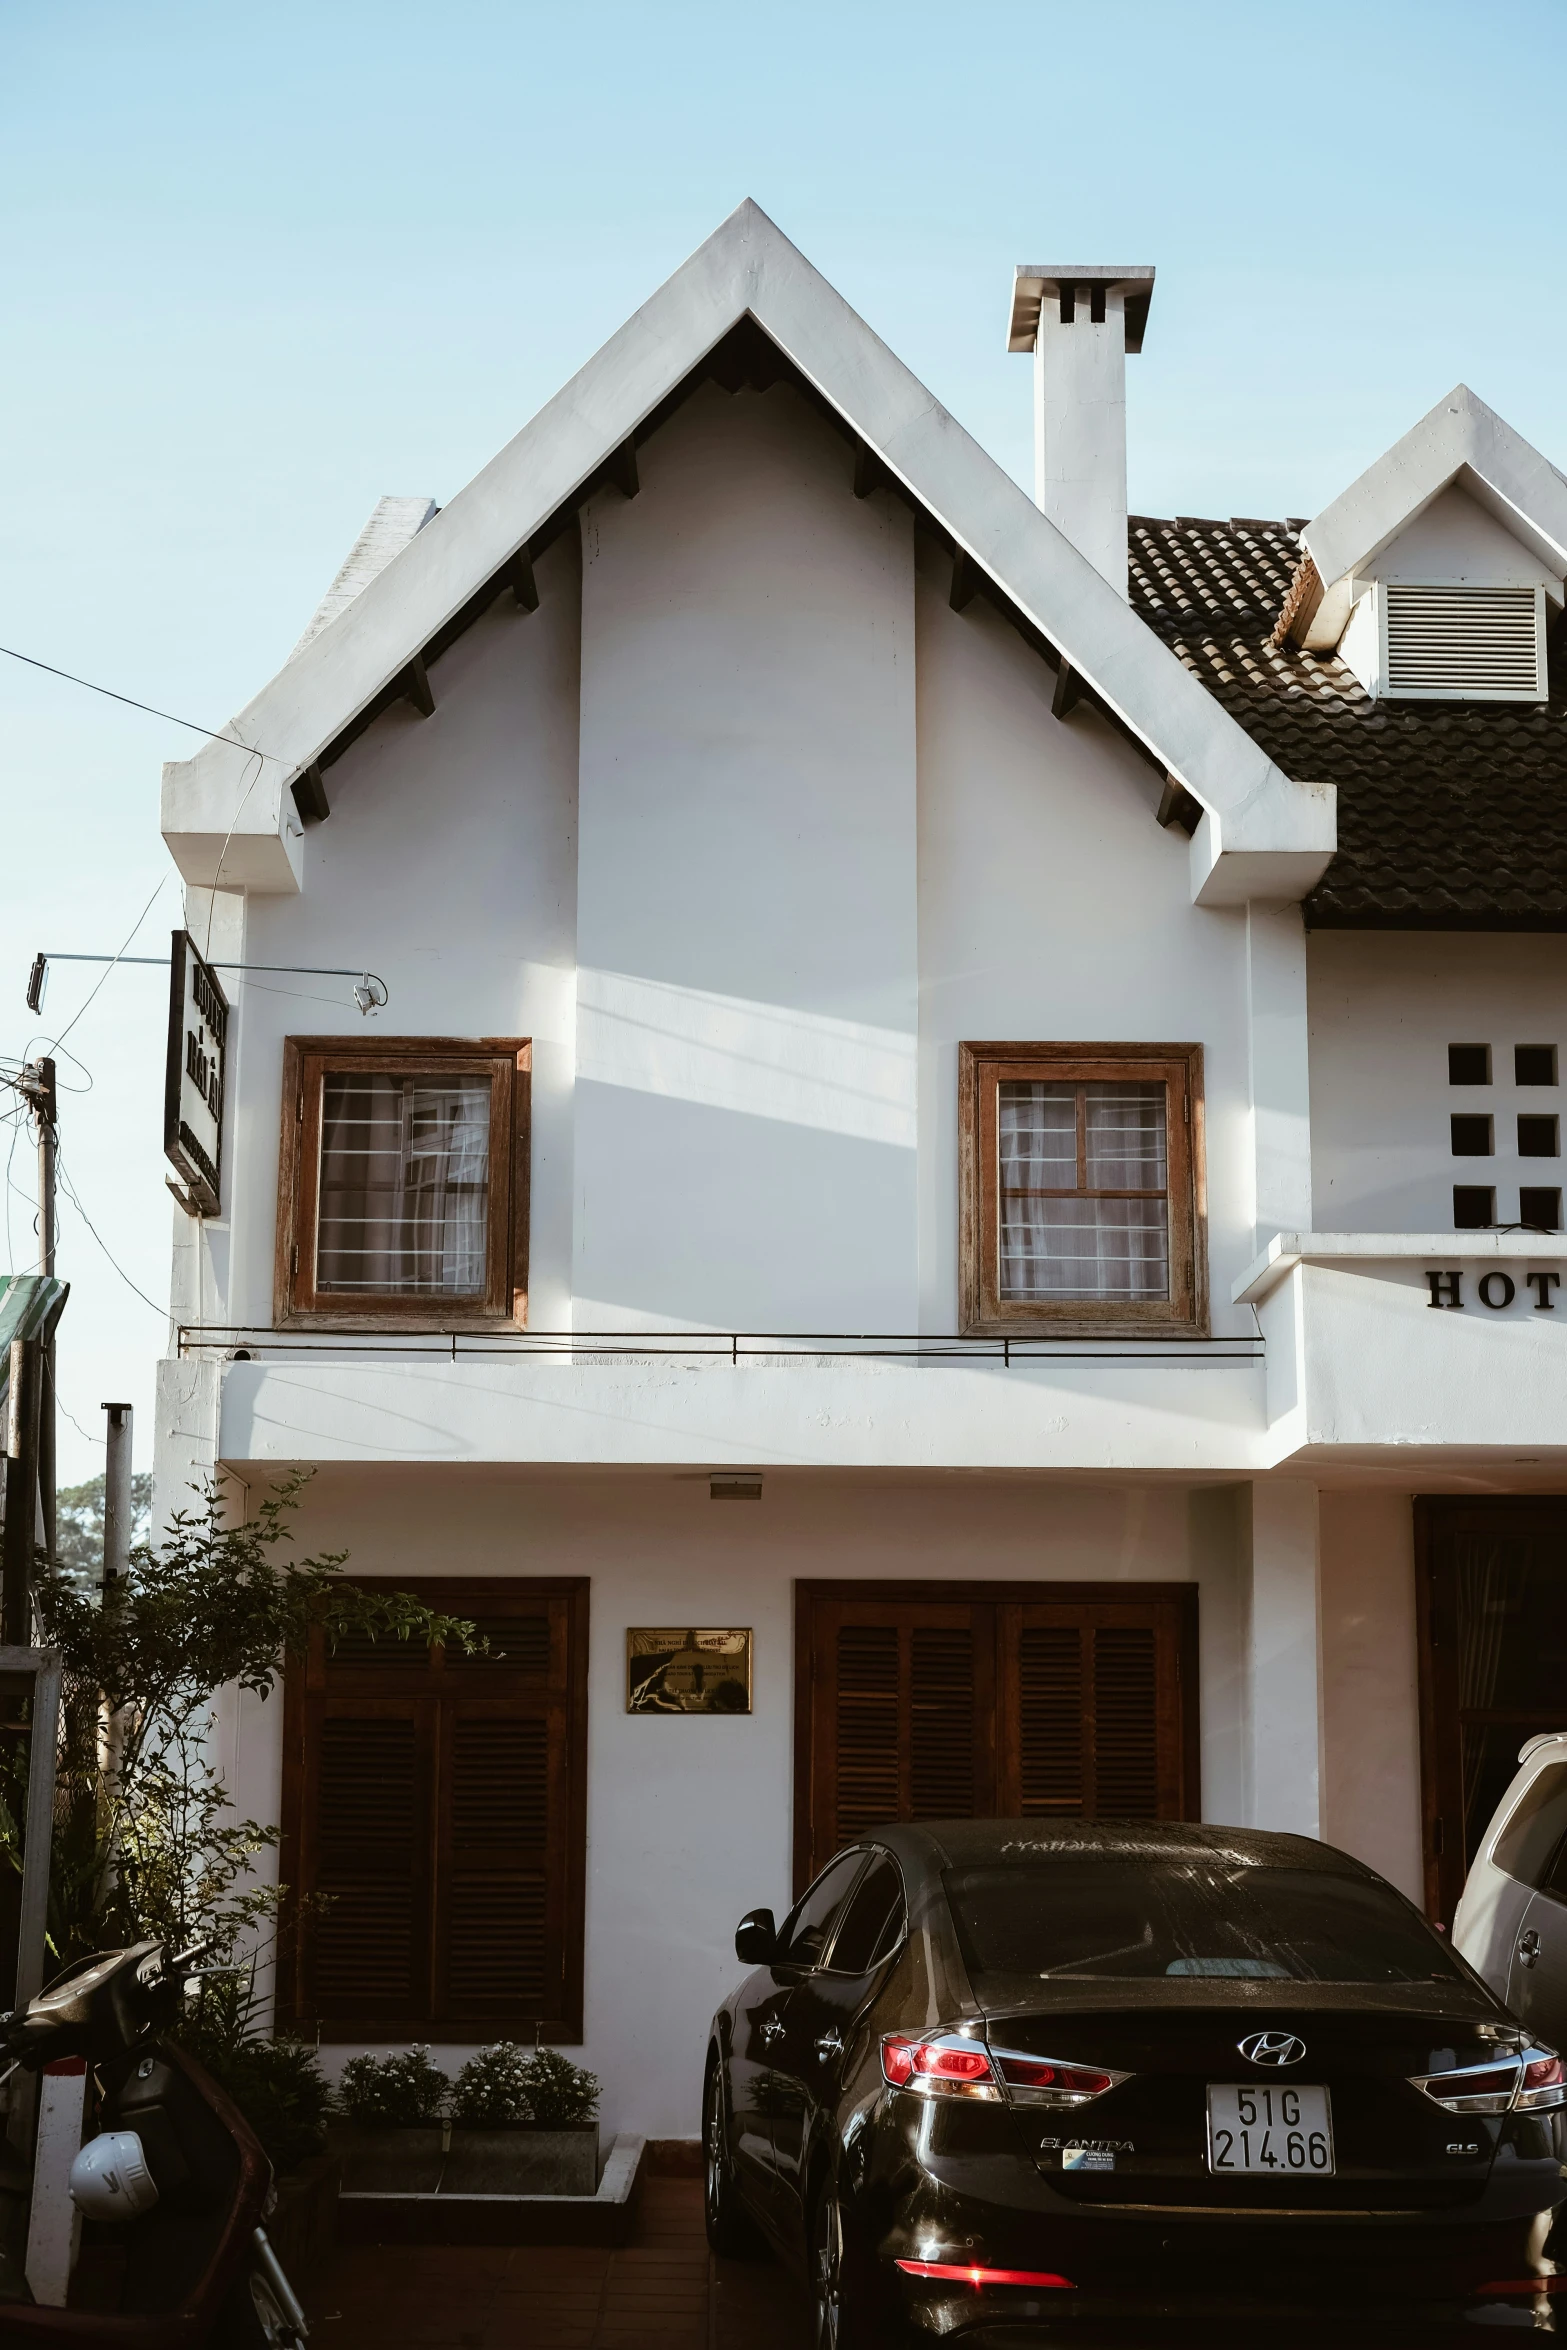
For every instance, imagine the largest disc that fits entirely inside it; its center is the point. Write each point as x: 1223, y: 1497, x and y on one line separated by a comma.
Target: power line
x: 55, y: 1042
x: 69, y: 1188
x: 213, y: 733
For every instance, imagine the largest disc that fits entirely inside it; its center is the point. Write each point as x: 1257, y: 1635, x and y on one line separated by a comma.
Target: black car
x: 1012, y: 2081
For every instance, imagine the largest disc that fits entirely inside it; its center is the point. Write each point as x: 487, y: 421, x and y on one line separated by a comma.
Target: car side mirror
x: 756, y: 1938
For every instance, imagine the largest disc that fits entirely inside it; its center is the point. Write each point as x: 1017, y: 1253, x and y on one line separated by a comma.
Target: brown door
x: 434, y: 1823
x: 1492, y: 1587
x: 976, y: 1701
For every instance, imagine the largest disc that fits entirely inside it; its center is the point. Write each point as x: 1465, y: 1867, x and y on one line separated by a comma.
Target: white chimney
x: 1080, y: 324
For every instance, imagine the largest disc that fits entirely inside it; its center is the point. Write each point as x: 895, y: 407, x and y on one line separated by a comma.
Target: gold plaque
x: 684, y: 1671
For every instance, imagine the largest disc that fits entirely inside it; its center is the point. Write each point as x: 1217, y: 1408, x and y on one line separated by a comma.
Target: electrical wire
x: 62, y: 1177
x: 213, y: 734
x: 57, y: 1041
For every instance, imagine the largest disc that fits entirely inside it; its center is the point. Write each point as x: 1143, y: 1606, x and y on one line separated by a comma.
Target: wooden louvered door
x: 368, y: 1849
x: 901, y: 1716
x: 952, y: 1701
x: 435, y: 1803
x: 1092, y: 1717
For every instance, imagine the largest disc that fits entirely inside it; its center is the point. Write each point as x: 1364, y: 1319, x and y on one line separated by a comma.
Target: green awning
x: 30, y: 1306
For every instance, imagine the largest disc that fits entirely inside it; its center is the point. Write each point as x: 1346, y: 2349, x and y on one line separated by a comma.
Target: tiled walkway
x: 664, y: 2291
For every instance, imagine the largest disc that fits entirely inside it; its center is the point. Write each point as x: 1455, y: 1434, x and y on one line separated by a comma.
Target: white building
x: 986, y: 1118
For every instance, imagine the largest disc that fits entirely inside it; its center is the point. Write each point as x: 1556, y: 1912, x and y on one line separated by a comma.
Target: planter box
x: 604, y: 2218
x: 523, y: 2158
x: 390, y: 2161
x: 302, y: 2228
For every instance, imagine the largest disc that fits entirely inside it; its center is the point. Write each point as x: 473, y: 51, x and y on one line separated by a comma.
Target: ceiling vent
x: 1481, y: 644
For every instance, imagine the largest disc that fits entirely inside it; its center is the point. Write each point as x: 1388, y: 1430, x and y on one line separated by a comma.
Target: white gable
x: 227, y: 813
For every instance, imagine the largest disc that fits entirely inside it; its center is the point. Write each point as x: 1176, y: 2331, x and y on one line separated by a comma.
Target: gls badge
x: 1271, y: 2048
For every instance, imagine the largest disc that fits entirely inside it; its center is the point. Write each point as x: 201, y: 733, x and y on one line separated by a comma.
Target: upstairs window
x: 404, y: 1185
x: 1080, y: 1204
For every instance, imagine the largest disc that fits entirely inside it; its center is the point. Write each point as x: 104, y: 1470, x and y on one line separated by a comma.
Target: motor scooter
x: 175, y: 2170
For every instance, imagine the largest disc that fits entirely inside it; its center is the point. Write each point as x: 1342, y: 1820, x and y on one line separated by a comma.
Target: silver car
x: 1511, y: 1923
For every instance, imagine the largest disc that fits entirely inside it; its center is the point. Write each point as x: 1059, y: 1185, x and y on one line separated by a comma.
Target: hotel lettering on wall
x: 1493, y: 1288
x: 194, y: 1080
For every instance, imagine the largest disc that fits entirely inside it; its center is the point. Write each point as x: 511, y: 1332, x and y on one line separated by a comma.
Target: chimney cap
x: 1033, y: 280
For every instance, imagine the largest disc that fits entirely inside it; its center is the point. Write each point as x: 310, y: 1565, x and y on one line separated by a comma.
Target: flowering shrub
x: 388, y: 2092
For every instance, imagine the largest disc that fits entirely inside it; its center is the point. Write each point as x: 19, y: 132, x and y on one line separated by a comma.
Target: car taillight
x: 951, y: 2272
x: 1544, y: 2082
x: 942, y: 2065
x: 1475, y: 2088
x: 1050, y: 2080
x: 1532, y: 2081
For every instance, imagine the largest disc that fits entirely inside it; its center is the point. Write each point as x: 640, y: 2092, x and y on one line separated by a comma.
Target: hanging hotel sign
x: 193, y: 1086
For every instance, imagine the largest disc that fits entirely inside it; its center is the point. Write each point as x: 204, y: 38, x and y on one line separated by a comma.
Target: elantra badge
x: 1273, y: 2048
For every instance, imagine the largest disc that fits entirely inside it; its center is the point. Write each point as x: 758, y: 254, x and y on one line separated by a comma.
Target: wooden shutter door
x: 501, y: 1852
x: 1031, y: 1701
x: 1092, y: 1710
x: 437, y: 1802
x: 369, y: 1776
x: 900, y: 1716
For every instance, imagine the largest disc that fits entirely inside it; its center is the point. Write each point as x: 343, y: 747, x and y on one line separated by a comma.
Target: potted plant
x: 524, y: 2123
x: 391, y: 2138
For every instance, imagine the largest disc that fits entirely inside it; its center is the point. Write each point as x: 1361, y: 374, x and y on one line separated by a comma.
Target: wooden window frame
x: 305, y: 1681
x: 306, y: 1062
x: 1009, y: 1600
x: 982, y: 1069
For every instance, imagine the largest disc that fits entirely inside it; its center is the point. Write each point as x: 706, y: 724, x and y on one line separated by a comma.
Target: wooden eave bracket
x: 869, y: 471
x: 621, y: 468
x: 522, y: 582
x: 310, y: 798
x: 1068, y: 693
x: 967, y: 580
x: 417, y: 688
x: 1177, y: 806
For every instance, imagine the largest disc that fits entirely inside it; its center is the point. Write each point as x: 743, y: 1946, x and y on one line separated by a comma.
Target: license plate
x: 1273, y: 2130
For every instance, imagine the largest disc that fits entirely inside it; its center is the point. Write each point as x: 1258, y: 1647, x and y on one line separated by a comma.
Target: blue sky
x: 262, y: 264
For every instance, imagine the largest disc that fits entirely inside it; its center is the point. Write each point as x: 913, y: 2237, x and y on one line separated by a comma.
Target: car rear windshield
x: 1208, y: 1918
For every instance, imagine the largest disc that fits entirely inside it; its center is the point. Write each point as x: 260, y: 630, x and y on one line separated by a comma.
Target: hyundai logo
x: 1271, y: 2048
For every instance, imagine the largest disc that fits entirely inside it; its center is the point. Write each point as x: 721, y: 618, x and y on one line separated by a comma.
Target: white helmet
x: 110, y: 2178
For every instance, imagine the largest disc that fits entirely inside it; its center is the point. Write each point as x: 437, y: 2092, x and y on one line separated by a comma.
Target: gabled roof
x: 1460, y: 441
x: 225, y: 812
x: 1451, y: 815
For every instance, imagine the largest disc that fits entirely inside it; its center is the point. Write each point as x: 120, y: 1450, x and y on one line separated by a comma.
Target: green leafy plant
x: 145, y: 1840
x: 391, y: 2092
x: 558, y: 2091
x: 492, y: 2088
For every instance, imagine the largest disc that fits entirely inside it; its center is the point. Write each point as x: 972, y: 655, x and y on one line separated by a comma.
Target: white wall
x: 1371, y: 1715
x: 1384, y: 1008
x: 1053, y: 907
x: 746, y: 885
x: 447, y: 865
x: 689, y: 1821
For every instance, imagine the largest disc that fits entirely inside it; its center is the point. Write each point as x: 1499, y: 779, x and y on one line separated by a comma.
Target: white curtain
x: 1073, y: 1160
x: 404, y: 1185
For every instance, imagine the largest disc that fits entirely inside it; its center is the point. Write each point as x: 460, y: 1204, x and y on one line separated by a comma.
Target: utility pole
x: 37, y: 1088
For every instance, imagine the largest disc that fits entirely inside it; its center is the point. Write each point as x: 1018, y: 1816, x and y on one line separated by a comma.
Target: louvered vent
x: 1475, y: 644
x: 941, y: 1691
x: 867, y: 1728
x: 1050, y: 1691
x: 364, y: 1942
x: 1126, y: 1723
